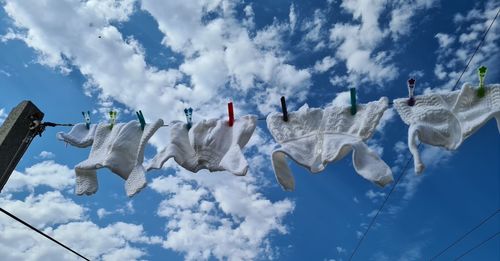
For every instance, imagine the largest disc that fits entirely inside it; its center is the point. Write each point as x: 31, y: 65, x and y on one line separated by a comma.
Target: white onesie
x: 209, y: 144
x: 121, y: 149
x: 314, y: 137
x: 447, y: 119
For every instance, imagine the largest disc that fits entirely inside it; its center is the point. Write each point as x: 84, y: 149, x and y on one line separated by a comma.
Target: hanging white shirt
x: 314, y: 137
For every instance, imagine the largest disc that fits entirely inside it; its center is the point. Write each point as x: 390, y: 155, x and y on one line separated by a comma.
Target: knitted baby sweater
x: 447, y: 119
x: 209, y: 144
x: 120, y: 149
x: 314, y: 137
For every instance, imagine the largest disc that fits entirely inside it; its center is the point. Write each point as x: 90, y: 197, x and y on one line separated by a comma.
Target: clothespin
x: 231, y: 114
x: 112, y: 119
x: 283, y: 108
x: 411, y: 88
x: 482, y: 73
x: 189, y: 117
x: 140, y: 116
x: 353, y: 101
x: 86, y: 116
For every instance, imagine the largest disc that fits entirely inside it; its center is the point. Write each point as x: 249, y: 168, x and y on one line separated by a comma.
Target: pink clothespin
x: 411, y: 87
x: 231, y: 114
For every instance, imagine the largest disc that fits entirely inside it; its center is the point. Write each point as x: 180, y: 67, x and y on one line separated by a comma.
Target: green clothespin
x: 353, y: 101
x: 112, y: 119
x: 86, y: 116
x: 482, y: 73
x: 140, y: 116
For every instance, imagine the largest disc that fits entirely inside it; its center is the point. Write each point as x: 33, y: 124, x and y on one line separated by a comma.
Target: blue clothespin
x: 189, y: 117
x: 353, y: 101
x: 482, y: 73
x: 86, y: 117
x: 140, y: 116
x: 112, y: 119
x: 411, y: 89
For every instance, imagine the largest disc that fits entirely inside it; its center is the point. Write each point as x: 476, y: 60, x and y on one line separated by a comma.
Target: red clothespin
x: 231, y: 114
x: 411, y: 88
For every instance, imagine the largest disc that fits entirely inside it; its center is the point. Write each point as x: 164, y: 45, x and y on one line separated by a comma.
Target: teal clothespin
x: 482, y: 73
x: 86, y: 116
x: 112, y: 119
x: 140, y: 116
x: 353, y: 101
x: 189, y: 117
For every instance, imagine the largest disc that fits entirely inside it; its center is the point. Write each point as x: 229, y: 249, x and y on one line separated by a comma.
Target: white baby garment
x: 121, y: 149
x: 447, y: 119
x: 314, y: 137
x: 209, y: 144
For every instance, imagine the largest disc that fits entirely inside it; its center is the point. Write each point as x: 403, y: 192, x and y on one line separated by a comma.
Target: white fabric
x: 121, y: 149
x: 314, y: 137
x: 447, y: 119
x: 79, y: 135
x: 209, y: 144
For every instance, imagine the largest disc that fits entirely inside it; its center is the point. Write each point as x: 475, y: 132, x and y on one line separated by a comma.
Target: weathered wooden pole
x: 16, y: 134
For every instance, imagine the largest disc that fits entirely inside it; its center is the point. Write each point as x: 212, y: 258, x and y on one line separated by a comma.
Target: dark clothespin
x: 353, y: 101
x: 189, y: 117
x: 411, y: 88
x: 231, y: 114
x: 283, y: 108
x: 482, y: 73
x: 140, y: 116
x: 112, y: 119
x: 86, y: 117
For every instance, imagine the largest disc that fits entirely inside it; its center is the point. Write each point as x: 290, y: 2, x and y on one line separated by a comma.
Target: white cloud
x: 340, y: 249
x: 45, y: 209
x: 325, y: 64
x: 3, y: 115
x: 292, y: 17
x: 46, y: 173
x: 46, y: 155
x: 374, y: 195
x: 101, y: 213
x: 470, y: 29
x: 400, y: 24
x: 211, y: 218
x: 356, y: 200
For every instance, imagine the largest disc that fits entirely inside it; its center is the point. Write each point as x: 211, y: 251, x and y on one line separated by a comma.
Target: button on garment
x: 209, y: 144
x: 447, y: 119
x: 120, y: 149
x: 314, y: 137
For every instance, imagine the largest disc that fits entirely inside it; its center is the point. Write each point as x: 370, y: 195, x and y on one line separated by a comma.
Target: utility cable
x: 465, y: 234
x: 478, y: 245
x: 41, y: 233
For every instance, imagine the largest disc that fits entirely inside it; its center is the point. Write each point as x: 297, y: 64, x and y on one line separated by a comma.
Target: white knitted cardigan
x: 447, y: 119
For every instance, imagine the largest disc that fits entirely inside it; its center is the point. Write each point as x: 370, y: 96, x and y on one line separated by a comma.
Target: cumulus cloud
x: 452, y: 57
x: 226, y: 219
x: 3, y: 115
x: 324, y: 65
x: 46, y: 155
x: 62, y: 218
x: 46, y: 173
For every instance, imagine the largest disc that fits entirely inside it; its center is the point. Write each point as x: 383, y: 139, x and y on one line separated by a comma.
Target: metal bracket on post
x: 21, y: 126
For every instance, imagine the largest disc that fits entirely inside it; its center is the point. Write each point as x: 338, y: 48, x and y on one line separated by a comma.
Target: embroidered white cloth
x: 209, y: 144
x: 314, y: 137
x: 120, y: 149
x: 447, y: 119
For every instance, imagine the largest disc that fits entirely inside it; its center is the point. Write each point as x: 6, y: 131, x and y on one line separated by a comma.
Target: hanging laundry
x: 209, y: 144
x: 120, y: 149
x: 447, y: 119
x: 314, y: 137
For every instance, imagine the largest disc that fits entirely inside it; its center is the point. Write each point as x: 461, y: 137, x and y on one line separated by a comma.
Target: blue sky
x: 163, y: 56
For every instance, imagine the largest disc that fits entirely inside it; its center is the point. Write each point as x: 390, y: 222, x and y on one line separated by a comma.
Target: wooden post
x: 16, y: 136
